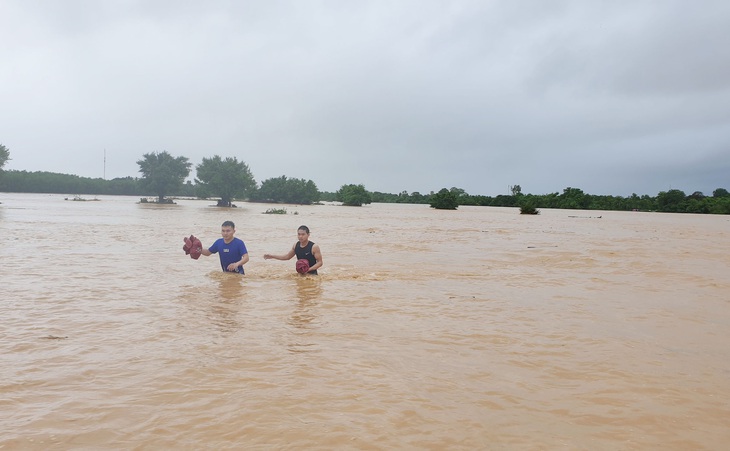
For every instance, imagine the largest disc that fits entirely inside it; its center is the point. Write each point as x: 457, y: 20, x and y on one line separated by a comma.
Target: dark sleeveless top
x: 306, y: 253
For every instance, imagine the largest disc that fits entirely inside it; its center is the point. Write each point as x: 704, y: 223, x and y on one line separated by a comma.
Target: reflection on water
x: 304, y: 318
x: 225, y: 311
x: 308, y: 292
x: 469, y: 329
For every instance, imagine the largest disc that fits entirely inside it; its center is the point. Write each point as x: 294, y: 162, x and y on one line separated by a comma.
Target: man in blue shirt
x: 231, y: 250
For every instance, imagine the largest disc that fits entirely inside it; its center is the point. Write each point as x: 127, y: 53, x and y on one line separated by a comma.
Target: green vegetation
x: 275, y: 211
x: 4, y: 156
x: 144, y: 200
x: 720, y: 192
x: 228, y: 179
x: 162, y: 173
x: 529, y: 209
x: 52, y: 182
x: 445, y: 200
x: 672, y: 201
x: 353, y: 195
x: 284, y: 190
x: 401, y: 198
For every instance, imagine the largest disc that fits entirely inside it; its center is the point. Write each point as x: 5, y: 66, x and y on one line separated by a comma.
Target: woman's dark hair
x: 305, y: 228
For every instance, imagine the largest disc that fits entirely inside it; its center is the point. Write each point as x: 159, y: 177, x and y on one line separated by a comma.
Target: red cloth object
x: 197, y: 249
x: 302, y: 266
x: 193, y: 247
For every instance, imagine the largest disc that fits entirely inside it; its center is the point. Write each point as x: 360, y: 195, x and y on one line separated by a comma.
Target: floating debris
x: 80, y: 199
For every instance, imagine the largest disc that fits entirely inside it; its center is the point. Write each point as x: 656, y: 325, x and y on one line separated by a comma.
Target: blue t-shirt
x: 229, y: 253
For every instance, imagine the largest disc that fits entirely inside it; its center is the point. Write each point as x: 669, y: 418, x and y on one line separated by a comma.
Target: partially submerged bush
x: 154, y: 200
x: 529, y: 209
x: 445, y: 200
x: 225, y: 204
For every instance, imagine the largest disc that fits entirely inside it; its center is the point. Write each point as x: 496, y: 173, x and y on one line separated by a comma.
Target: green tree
x: 574, y: 198
x: 307, y: 192
x: 720, y: 192
x: 353, y: 195
x: 327, y: 196
x: 671, y: 201
x: 4, y: 155
x: 504, y: 201
x: 418, y: 198
x: 461, y: 195
x: 128, y: 186
x: 719, y: 205
x: 528, y: 208
x: 228, y: 179
x: 282, y: 189
x: 445, y: 200
x: 162, y: 173
x: 384, y: 198
x: 271, y: 190
x: 51, y: 182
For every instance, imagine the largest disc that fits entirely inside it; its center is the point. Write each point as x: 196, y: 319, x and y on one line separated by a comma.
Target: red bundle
x: 302, y: 266
x: 192, y: 247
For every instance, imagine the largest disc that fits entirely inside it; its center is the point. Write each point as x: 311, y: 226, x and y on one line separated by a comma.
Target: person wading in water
x: 303, y: 249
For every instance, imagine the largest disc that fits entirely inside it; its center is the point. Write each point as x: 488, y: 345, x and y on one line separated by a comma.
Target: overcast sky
x: 612, y: 97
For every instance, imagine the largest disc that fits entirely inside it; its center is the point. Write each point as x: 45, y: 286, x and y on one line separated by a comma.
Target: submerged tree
x: 228, y: 179
x: 528, y: 208
x: 283, y: 189
x: 162, y: 173
x: 353, y: 195
x: 445, y: 200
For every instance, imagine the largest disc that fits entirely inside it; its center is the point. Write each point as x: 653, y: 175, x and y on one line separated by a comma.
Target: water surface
x: 471, y: 329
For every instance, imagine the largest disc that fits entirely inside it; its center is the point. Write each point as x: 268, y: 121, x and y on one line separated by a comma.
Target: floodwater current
x: 478, y: 328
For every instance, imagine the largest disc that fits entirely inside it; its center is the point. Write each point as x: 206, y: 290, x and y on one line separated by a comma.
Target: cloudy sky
x: 613, y: 97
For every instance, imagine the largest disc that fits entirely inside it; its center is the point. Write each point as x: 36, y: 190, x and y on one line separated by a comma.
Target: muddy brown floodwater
x: 472, y: 329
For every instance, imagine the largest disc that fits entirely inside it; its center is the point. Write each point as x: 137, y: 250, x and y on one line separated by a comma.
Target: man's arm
x: 241, y: 262
x: 205, y: 251
x: 286, y: 256
x: 318, y: 256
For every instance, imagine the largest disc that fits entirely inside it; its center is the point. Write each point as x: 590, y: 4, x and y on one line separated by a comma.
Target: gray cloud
x: 610, y: 97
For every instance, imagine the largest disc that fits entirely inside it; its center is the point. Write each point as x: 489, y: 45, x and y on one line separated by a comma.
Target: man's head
x: 228, y: 228
x: 303, y: 234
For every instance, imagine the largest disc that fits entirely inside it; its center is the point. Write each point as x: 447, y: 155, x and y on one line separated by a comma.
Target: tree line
x: 228, y: 179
